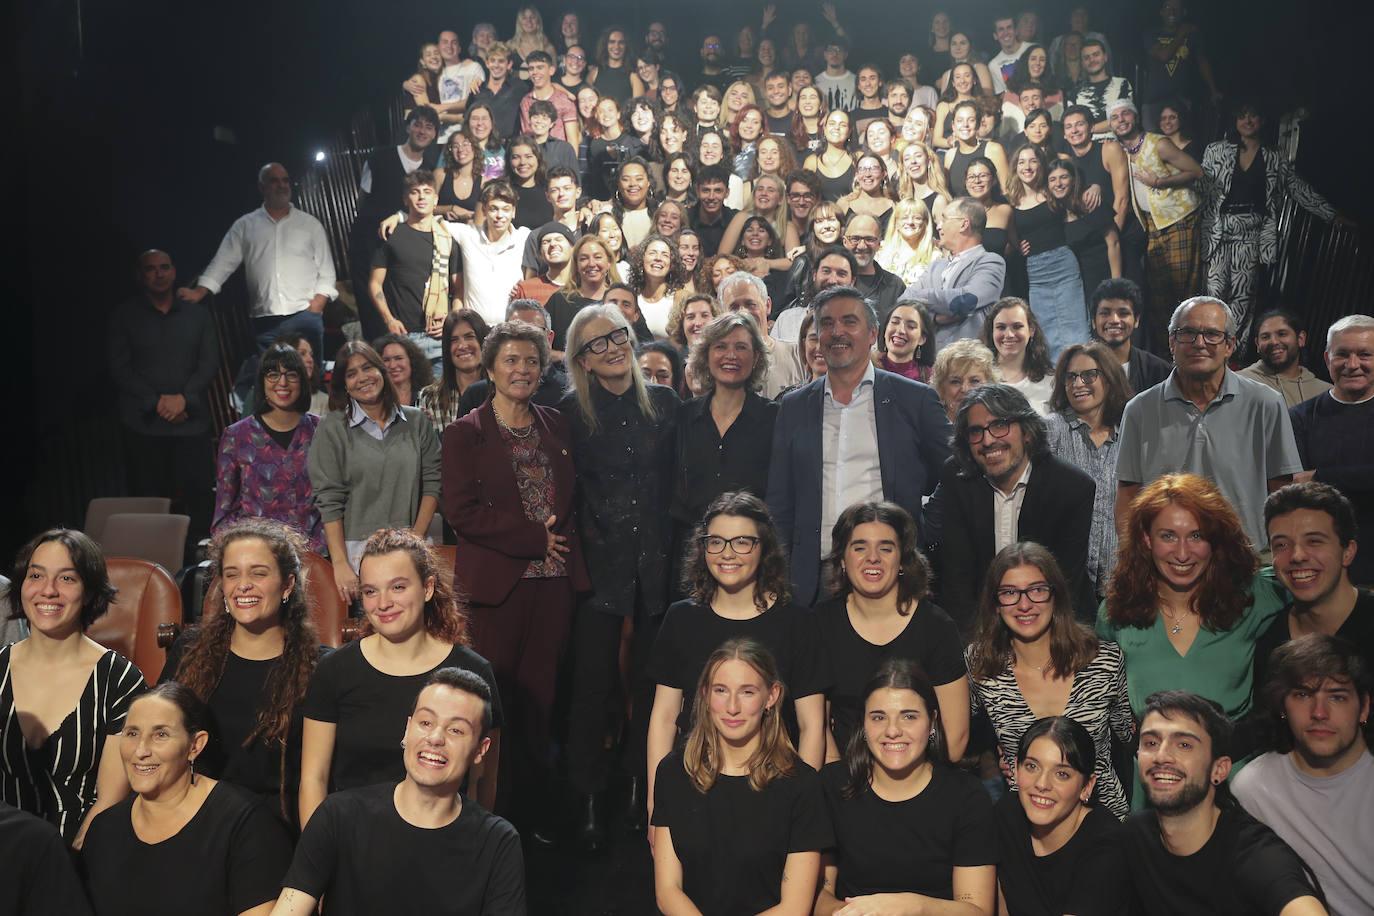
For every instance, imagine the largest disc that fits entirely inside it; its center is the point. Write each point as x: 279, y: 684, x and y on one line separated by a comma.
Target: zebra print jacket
x: 1280, y: 179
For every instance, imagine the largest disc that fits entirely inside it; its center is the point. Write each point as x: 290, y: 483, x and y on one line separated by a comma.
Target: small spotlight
x: 319, y: 156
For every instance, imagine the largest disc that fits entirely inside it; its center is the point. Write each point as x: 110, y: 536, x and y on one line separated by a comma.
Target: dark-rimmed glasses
x: 1009, y: 597
x: 599, y: 344
x: 999, y: 429
x: 1211, y: 336
x: 744, y: 543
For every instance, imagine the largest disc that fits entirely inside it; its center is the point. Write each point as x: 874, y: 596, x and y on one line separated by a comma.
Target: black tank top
x: 448, y: 196
x: 1093, y: 171
x: 995, y: 240
x: 614, y: 83
x: 832, y: 189
x: 1041, y: 227
x: 959, y: 167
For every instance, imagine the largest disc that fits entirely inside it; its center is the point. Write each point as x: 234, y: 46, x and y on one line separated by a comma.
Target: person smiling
x: 593, y: 269
x: 251, y: 662
x: 373, y: 463
x: 182, y: 842
x: 262, y: 459
x: 508, y: 492
x: 407, y: 367
x: 462, y: 338
x: 739, y: 824
x: 912, y: 834
x: 368, y: 847
x: 1048, y: 837
x: 1185, y: 602
x: 1013, y: 333
x: 413, y: 628
x: 739, y: 590
x: 1031, y: 659
x: 903, y: 350
x: 65, y: 696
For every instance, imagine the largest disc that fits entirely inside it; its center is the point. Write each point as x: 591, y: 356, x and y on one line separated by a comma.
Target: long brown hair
x: 1223, y: 592
x: 773, y: 758
x: 1072, y: 645
x: 202, y: 666
x: 444, y: 620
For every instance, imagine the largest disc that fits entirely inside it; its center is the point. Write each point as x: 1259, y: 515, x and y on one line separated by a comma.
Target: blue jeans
x: 432, y: 348
x: 1056, y: 298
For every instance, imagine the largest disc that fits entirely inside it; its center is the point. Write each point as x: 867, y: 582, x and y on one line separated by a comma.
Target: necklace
x: 1132, y: 150
x: 521, y: 432
x: 1177, y: 621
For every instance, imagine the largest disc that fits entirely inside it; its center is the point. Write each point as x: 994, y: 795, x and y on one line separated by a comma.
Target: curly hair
x: 1037, y: 360
x: 699, y: 357
x: 207, y: 645
x: 913, y: 571
x: 775, y: 755
x: 774, y: 249
x: 678, y: 313
x: 770, y: 582
x: 1003, y: 402
x: 703, y: 280
x: 1222, y: 593
x: 444, y: 619
x: 677, y: 274
x: 1072, y: 645
x: 787, y: 159
x: 421, y: 372
x: 97, y: 594
x: 893, y: 674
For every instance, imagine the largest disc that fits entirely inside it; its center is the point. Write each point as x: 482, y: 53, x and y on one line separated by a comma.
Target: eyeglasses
x: 1087, y: 376
x: 800, y: 195
x: 273, y: 376
x: 1009, y: 597
x: 1210, y: 336
x: 743, y: 544
x: 999, y: 429
x: 711, y: 46
x: 575, y: 57
x: 618, y: 337
x: 857, y: 240
x: 869, y: 170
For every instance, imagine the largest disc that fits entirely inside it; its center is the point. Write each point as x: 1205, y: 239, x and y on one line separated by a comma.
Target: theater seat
x: 144, y: 617
x: 157, y: 537
x: 99, y: 510
x: 327, y: 609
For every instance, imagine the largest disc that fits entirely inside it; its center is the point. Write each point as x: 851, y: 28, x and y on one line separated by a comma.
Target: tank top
x: 995, y: 239
x: 614, y: 83
x: 1040, y: 226
x: 959, y: 167
x: 832, y: 189
x: 1094, y: 171
x: 448, y: 195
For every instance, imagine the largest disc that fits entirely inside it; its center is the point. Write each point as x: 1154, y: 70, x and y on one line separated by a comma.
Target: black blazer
x: 1057, y: 513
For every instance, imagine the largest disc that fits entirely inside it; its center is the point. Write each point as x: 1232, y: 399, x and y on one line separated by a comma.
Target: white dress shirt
x: 1006, y: 511
x: 850, y: 470
x: 287, y: 261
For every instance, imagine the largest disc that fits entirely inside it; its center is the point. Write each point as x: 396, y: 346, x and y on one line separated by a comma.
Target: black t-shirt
x: 1243, y: 869
x: 363, y: 858
x: 780, y: 127
x: 534, y: 209
x: 1068, y: 880
x: 692, y: 631
x: 369, y: 710
x: 36, y: 874
x: 234, y: 706
x: 930, y: 639
x: 229, y: 857
x: 733, y: 842
x: 408, y: 257
x: 562, y: 308
x: 603, y: 160
x: 1358, y: 628
x: 911, y: 846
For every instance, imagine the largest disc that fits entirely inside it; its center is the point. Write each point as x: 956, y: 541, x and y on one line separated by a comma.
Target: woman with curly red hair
x: 1186, y: 602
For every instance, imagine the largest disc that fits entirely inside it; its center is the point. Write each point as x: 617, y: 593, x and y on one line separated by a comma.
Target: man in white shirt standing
x: 1004, y: 62
x: 285, y: 255
x: 491, y: 253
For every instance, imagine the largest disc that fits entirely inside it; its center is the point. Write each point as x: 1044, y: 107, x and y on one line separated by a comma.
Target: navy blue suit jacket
x: 913, y: 444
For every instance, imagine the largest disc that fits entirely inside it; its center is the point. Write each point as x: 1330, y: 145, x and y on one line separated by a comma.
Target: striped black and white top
x: 1097, y: 700
x: 57, y: 779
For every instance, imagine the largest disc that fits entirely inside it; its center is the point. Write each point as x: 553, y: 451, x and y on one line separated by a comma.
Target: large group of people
x: 857, y: 466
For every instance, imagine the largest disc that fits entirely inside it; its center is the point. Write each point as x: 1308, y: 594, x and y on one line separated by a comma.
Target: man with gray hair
x: 285, y: 255
x: 1205, y: 419
x: 854, y: 435
x: 1335, y: 429
x: 742, y: 291
x: 1004, y: 486
x: 961, y: 287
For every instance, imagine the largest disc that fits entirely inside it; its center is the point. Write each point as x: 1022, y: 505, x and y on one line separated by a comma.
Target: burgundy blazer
x: 481, y: 501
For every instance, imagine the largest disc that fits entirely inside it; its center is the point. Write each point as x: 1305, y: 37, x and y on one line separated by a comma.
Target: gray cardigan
x: 370, y: 483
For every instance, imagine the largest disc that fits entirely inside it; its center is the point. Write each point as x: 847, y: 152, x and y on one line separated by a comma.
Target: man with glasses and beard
x: 1196, y: 851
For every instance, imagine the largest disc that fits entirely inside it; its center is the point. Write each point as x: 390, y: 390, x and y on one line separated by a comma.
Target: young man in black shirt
x: 1198, y: 851
x: 365, y: 849
x: 710, y: 216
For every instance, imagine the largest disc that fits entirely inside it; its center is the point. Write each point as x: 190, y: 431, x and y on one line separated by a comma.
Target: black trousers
x: 596, y: 640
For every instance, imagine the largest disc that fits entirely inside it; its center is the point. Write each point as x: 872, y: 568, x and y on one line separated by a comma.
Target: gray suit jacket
x: 967, y: 293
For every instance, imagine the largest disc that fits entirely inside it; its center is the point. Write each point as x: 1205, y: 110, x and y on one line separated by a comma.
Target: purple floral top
x: 260, y: 479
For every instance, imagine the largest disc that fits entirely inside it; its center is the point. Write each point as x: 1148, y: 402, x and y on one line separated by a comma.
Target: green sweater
x: 371, y: 483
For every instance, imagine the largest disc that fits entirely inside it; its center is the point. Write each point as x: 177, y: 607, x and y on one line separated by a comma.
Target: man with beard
x: 836, y: 266
x: 1003, y: 486
x: 1335, y: 430
x: 1197, y: 851
x: 1205, y: 419
x: 1318, y: 795
x: 881, y: 288
x: 364, y: 849
x: 854, y: 435
x: 1279, y: 343
x: 713, y: 71
x: 1116, y: 303
x: 1312, y: 533
x: 1162, y: 178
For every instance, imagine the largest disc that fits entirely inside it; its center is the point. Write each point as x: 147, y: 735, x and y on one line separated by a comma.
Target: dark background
x: 115, y: 146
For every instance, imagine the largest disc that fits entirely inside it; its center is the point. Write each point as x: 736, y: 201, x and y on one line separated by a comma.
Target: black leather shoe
x: 591, y: 833
x: 636, y: 809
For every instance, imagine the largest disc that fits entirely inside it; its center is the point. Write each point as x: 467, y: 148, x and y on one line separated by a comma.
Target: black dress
x: 832, y: 189
x: 534, y: 209
x: 959, y: 168
x: 448, y: 194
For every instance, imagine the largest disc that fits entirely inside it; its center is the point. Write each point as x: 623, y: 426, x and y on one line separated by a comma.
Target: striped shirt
x: 57, y: 779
